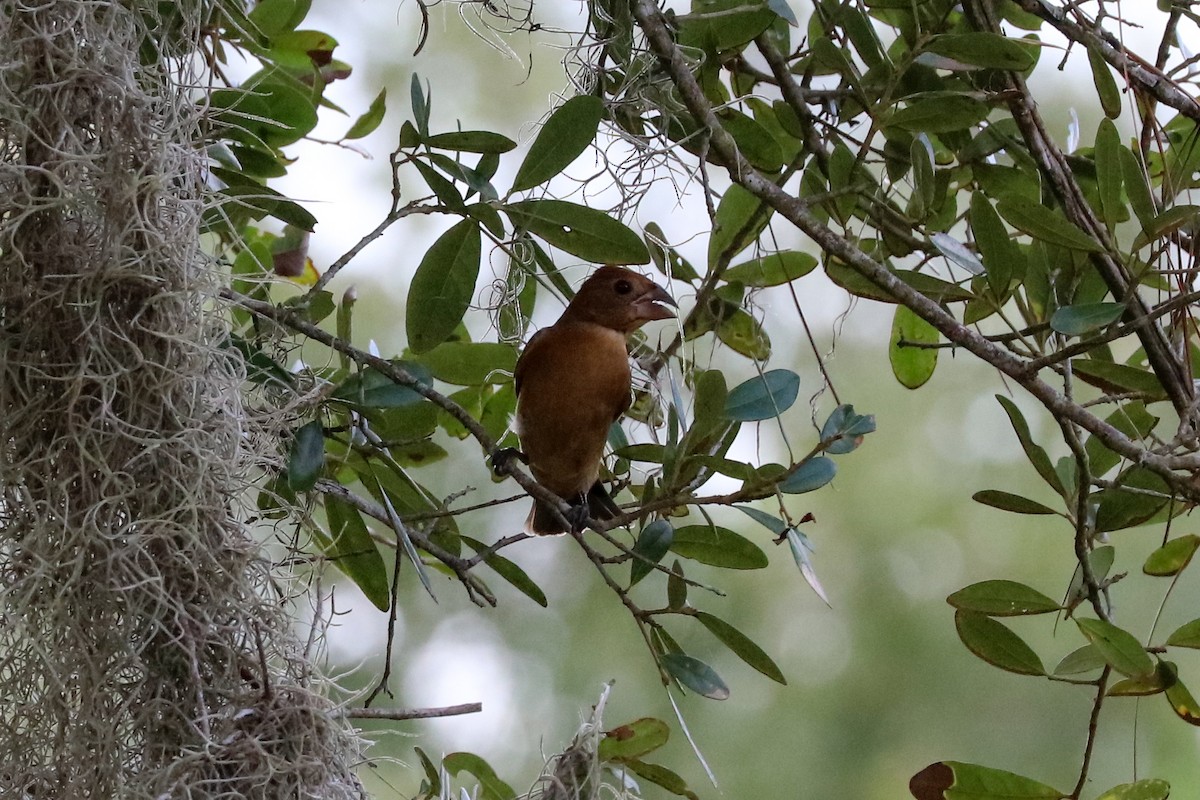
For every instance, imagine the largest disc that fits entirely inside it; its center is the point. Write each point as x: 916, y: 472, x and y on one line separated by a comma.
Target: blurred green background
x: 878, y: 685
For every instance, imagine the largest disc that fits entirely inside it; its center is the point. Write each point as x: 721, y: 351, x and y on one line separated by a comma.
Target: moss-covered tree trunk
x: 139, y: 656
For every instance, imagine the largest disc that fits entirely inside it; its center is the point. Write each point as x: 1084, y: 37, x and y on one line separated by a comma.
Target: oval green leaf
x: 742, y: 646
x: 996, y: 644
x: 938, y: 112
x: 652, y: 544
x: 1045, y: 224
x: 1002, y: 598
x: 1147, y: 789
x: 763, y: 397
x: 1172, y: 557
x: 955, y: 780
x: 1120, y: 649
x: 566, y: 134
x: 471, y: 142
x: 717, y: 547
x: 442, y: 287
x: 1084, y: 318
x: 1187, y: 635
x: 809, y: 476
x: 695, y: 675
x: 370, y: 119
x: 581, y: 231
x: 1080, y: 661
x: 773, y: 270
x: 471, y: 363
x: 352, y: 550
x: 1007, y: 501
x: 306, y: 457
x: 633, y: 739
x: 912, y: 363
x: 982, y: 49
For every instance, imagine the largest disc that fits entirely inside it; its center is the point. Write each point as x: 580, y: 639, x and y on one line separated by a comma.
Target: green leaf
x: 1141, y: 685
x: 1146, y: 789
x: 1131, y: 419
x: 844, y: 430
x: 306, y: 457
x: 1108, y: 173
x: 1182, y: 702
x: 350, y: 547
x: 1080, y: 661
x: 763, y: 397
x: 1168, y: 222
x: 273, y: 17
x: 996, y: 644
x: 1034, y: 452
x: 1002, y: 598
x: 442, y: 287
x: 1135, y: 497
x: 1118, y: 647
x: 677, y: 588
x: 955, y: 780
x: 1045, y: 224
x: 666, y: 258
x: 801, y: 553
x: 809, y: 476
x: 660, y: 776
x: 566, y: 134
x: 1172, y: 557
x: 740, y: 218
x: 652, y: 544
x: 745, y: 336
x: 370, y: 388
x: 1000, y: 254
x: 432, y: 774
x: 492, y: 787
x: 717, y: 547
x: 912, y: 364
x: 742, y: 646
x: 773, y: 270
x: 510, y: 572
x: 753, y: 140
x: 1084, y: 318
x: 695, y: 675
x: 1137, y: 188
x: 1006, y: 501
x: 370, y: 119
x: 471, y: 363
x: 633, y: 739
x: 982, y: 50
x: 958, y: 252
x: 1113, y: 377
x: 939, y: 112
x: 581, y: 231
x: 1187, y: 635
x: 443, y: 187
x: 421, y: 105
x: 1106, y: 84
x: 471, y: 142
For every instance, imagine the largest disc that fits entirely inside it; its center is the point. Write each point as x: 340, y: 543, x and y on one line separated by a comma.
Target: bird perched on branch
x: 573, y: 382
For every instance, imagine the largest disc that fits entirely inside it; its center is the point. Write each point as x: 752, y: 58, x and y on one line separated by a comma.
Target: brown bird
x: 573, y: 382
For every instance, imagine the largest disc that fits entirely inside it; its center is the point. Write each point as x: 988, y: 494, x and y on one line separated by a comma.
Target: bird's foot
x: 577, y: 516
x: 503, y: 456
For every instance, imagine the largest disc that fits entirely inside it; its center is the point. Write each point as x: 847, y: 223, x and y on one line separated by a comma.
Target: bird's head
x: 620, y: 299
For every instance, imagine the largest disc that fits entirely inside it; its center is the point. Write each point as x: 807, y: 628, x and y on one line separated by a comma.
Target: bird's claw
x: 577, y: 517
x: 503, y: 456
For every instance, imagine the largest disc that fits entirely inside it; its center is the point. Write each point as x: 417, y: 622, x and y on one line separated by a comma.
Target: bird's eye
x: 623, y: 286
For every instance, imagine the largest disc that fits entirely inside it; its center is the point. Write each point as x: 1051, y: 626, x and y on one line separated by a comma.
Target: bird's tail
x: 542, y: 520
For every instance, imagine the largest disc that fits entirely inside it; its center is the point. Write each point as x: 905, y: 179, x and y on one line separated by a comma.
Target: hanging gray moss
x: 141, y: 654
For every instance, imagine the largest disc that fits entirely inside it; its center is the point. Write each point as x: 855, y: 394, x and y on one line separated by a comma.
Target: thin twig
x: 414, y: 713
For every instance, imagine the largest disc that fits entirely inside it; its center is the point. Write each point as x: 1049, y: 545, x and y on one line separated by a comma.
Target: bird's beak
x: 652, y: 304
